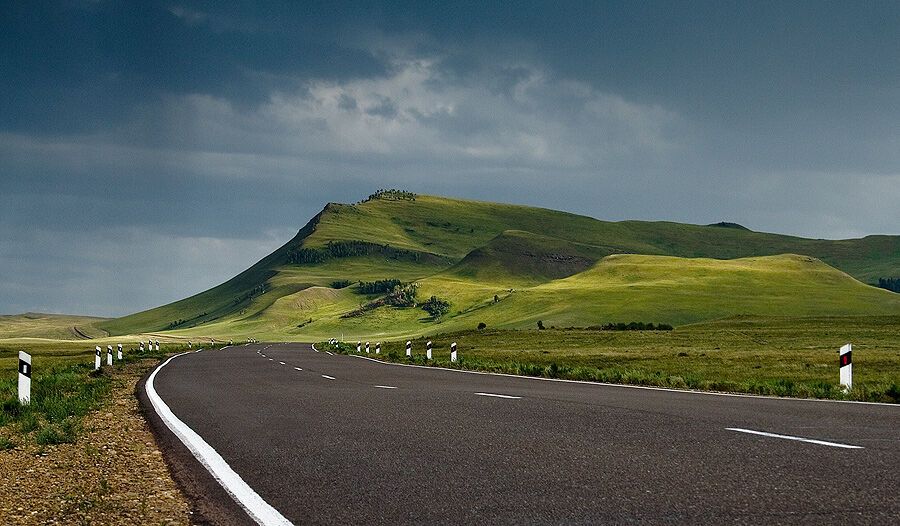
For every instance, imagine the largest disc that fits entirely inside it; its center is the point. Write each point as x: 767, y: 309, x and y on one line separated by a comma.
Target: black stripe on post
x: 845, y: 359
x: 25, y: 368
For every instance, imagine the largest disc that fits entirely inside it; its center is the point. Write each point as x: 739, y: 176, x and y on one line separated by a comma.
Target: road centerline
x: 385, y: 386
x: 495, y: 395
x: 328, y: 377
x: 794, y: 438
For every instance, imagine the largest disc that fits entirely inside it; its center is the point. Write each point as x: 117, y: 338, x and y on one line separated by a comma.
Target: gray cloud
x: 210, y: 134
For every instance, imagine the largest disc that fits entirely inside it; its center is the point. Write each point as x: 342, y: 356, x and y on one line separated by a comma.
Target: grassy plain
x: 761, y: 355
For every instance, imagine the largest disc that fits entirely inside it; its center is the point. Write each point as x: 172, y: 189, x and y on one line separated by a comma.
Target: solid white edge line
x: 626, y: 386
x: 328, y: 377
x: 258, y: 509
x: 499, y: 395
x: 796, y: 439
x: 329, y: 353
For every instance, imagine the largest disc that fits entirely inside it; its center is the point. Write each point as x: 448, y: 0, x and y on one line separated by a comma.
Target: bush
x: 436, y: 307
x: 382, y: 286
x: 481, y: 326
x: 340, y: 284
x: 540, y: 325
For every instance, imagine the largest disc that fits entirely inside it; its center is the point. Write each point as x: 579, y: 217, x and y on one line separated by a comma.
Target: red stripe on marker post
x: 846, y: 366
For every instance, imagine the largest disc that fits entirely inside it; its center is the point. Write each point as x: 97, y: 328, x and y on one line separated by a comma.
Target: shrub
x: 437, y: 307
x: 540, y: 325
x: 481, y: 326
x: 378, y: 287
x: 340, y: 284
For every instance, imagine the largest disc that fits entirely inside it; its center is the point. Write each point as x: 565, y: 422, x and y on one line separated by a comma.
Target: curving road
x: 332, y: 439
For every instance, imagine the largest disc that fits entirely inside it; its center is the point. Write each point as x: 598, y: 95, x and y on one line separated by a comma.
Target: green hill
x: 55, y: 326
x: 538, y: 263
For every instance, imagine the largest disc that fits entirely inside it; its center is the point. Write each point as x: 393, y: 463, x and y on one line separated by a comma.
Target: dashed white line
x: 797, y: 439
x: 271, y: 360
x: 282, y: 363
x: 385, y: 386
x: 495, y: 395
x: 328, y: 377
x: 299, y: 369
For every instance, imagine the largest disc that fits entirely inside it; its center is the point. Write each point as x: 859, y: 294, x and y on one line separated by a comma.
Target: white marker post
x: 358, y: 346
x: 190, y: 345
x: 157, y: 345
x: 367, y: 347
x: 453, y: 352
x: 97, y: 358
x: 408, y: 349
x: 428, y: 350
x: 24, y: 378
x: 142, y: 346
x: 120, y: 352
x: 378, y: 348
x: 109, y: 355
x: 846, y: 364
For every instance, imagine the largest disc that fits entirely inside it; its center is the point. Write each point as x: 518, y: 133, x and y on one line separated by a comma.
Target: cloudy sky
x: 149, y: 150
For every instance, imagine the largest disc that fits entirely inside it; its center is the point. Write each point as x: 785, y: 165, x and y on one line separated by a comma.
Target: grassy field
x: 774, y: 356
x: 52, y: 326
x: 64, y: 389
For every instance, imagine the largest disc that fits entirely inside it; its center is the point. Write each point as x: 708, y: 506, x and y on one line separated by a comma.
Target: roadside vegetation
x: 62, y: 394
x: 795, y: 357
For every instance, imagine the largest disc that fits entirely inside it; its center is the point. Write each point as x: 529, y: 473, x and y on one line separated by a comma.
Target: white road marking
x: 299, y: 369
x: 282, y: 363
x: 328, y: 353
x: 328, y: 377
x: 499, y: 395
x: 789, y: 437
x: 258, y: 509
x: 385, y: 386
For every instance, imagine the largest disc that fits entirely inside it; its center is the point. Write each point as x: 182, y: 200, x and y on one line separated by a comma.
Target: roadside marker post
x: 109, y: 355
x: 367, y: 347
x: 428, y: 350
x: 142, y: 346
x: 358, y: 346
x: 120, y: 352
x: 24, y: 378
x: 157, y: 345
x: 408, y: 349
x: 453, y: 352
x: 378, y: 348
x: 190, y: 345
x: 846, y: 365
x: 97, y: 358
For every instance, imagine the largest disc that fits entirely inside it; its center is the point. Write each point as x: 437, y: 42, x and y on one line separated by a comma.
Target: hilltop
x: 508, y: 266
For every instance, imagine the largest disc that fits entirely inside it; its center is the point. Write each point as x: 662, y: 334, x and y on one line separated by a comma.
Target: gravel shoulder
x: 114, y: 473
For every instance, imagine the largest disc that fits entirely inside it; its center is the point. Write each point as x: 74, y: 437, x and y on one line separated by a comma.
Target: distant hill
x: 557, y: 265
x: 52, y: 326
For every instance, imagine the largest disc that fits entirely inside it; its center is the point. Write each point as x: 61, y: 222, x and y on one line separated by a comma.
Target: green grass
x: 771, y: 356
x: 62, y: 393
x: 53, y: 326
x: 484, y: 249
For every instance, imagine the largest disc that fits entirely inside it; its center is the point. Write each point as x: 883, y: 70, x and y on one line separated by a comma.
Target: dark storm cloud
x: 210, y: 132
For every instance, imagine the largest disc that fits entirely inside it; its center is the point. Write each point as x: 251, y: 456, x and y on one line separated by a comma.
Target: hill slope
x: 470, y: 251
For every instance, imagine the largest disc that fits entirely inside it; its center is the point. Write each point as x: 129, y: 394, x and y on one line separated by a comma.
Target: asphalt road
x: 346, y: 440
